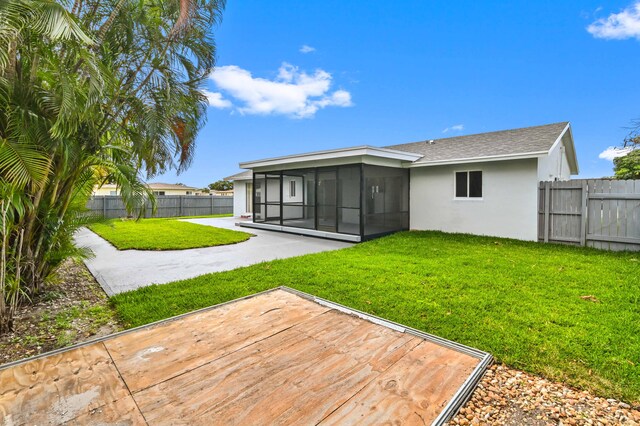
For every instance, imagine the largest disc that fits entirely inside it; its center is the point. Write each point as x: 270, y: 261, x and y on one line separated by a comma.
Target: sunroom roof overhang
x: 360, y: 154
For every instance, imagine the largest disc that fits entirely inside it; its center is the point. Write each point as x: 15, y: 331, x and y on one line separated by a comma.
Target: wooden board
x: 413, y: 391
x: 123, y: 412
x: 59, y: 388
x: 272, y: 359
x: 294, y: 376
x: 164, y: 351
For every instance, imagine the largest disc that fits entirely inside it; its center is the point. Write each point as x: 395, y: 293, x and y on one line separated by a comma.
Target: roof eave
x: 358, y: 151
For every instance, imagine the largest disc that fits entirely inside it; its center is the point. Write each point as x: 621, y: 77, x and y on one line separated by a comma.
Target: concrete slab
x: 118, y: 271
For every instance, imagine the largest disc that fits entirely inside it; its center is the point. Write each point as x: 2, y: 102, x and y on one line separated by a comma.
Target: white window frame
x: 467, y: 198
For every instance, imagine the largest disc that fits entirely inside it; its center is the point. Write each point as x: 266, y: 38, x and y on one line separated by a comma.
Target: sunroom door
x: 327, y: 201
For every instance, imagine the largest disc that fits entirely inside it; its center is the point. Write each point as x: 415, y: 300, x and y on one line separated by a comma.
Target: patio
x: 275, y: 357
x: 123, y: 270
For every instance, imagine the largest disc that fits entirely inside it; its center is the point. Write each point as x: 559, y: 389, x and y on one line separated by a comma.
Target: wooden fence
x: 111, y: 206
x: 600, y: 213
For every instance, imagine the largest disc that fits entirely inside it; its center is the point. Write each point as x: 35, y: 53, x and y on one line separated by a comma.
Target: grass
x: 567, y: 313
x: 165, y: 234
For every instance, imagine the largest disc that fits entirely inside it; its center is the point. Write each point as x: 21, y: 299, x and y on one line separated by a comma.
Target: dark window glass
x: 475, y: 184
x: 292, y: 188
x: 461, y: 184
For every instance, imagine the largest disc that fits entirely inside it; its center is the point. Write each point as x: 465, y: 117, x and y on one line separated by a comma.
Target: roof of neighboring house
x: 246, y: 175
x: 527, y: 140
x: 157, y: 186
x: 169, y: 186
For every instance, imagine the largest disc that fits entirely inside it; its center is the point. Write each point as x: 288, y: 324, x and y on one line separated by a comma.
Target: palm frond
x: 22, y: 164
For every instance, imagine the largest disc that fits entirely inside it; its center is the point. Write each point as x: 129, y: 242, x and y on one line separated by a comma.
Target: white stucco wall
x: 554, y: 166
x: 507, y: 209
x: 239, y: 197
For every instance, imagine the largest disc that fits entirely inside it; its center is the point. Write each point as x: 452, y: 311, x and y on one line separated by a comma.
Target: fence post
x: 211, y: 196
x: 104, y: 207
x: 585, y: 217
x: 180, y: 206
x: 547, y: 202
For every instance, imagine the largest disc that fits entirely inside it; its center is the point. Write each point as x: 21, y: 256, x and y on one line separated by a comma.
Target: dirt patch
x: 511, y: 397
x: 72, y: 309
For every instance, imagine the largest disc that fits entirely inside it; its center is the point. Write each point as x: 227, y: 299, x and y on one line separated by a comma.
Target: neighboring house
x: 483, y: 184
x: 227, y: 193
x: 158, y: 189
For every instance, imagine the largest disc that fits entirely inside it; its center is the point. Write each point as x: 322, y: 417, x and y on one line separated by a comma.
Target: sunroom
x: 351, y: 194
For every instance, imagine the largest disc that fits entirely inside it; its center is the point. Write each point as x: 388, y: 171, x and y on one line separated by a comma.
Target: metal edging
x: 131, y: 330
x: 464, y: 392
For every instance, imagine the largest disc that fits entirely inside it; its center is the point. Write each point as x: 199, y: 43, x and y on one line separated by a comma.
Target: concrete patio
x: 118, y: 271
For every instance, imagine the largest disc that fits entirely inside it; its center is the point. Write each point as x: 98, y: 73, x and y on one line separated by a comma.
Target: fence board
x: 110, y: 206
x: 599, y: 213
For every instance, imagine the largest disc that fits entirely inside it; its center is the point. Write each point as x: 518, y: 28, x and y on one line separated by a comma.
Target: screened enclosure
x: 356, y: 199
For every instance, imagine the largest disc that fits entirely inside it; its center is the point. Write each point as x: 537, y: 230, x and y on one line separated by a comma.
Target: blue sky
x: 382, y: 73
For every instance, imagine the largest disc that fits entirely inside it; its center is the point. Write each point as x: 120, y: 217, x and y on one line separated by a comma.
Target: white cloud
x: 216, y: 100
x: 625, y: 24
x: 613, y: 152
x: 454, y: 128
x: 307, y: 49
x: 292, y: 93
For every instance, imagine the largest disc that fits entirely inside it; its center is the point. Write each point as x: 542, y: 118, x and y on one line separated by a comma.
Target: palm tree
x: 90, y: 91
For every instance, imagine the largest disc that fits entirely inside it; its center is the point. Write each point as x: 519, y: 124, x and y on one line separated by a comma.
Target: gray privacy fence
x: 600, y: 213
x: 111, y: 206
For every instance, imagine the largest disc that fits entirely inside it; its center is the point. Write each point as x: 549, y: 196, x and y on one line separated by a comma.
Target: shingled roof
x: 527, y: 140
x: 246, y: 175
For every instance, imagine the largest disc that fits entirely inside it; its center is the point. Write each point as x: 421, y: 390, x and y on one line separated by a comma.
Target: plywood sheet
x: 123, y: 412
x: 276, y: 358
x: 412, y: 391
x: 295, y: 376
x: 161, y: 352
x: 59, y: 388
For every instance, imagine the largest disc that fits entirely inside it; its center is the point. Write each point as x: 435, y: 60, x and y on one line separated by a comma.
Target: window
x: 189, y: 193
x: 292, y: 188
x: 158, y: 192
x: 469, y: 184
x: 113, y: 192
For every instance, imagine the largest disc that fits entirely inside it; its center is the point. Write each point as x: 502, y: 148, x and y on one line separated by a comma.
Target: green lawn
x: 164, y: 234
x: 523, y: 302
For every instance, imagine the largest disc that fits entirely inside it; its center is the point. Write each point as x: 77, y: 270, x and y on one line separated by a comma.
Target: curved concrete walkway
x: 118, y: 271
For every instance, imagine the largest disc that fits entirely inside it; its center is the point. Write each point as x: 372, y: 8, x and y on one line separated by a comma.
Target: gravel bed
x: 511, y: 397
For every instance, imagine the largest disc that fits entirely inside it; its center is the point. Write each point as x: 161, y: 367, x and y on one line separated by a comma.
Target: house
x: 482, y: 184
x: 157, y: 188
x: 226, y: 193
x: 242, y: 193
